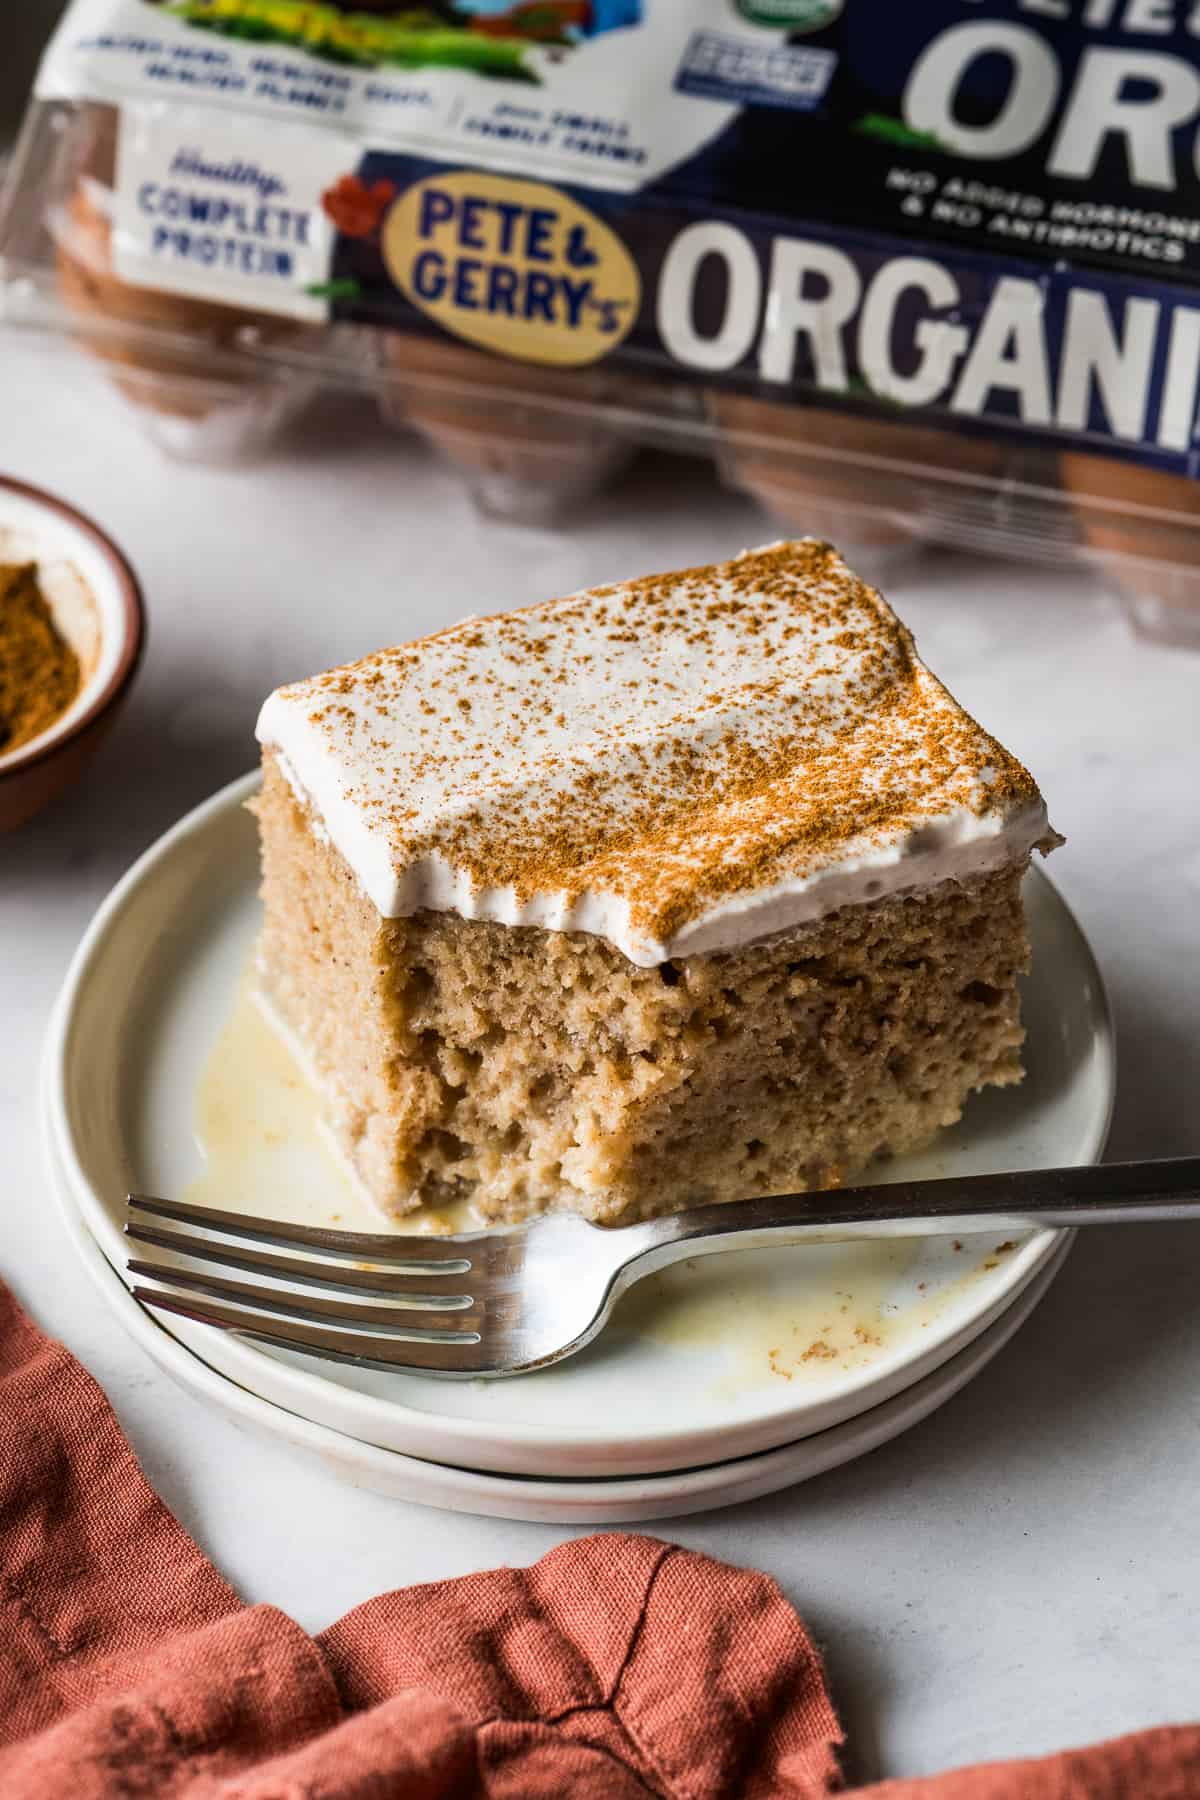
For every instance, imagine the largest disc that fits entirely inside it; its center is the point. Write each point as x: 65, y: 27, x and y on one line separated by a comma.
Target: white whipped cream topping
x: 429, y: 765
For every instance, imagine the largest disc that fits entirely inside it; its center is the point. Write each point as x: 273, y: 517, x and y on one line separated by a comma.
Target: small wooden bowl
x: 98, y: 607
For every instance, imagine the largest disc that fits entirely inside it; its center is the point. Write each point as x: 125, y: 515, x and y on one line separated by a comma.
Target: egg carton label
x: 554, y: 89
x: 204, y: 209
x: 965, y: 212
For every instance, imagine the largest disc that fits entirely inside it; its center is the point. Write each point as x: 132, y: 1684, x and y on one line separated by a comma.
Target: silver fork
x: 511, y: 1299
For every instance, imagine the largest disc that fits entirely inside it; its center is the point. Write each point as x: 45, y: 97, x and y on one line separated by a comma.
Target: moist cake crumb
x: 732, y: 915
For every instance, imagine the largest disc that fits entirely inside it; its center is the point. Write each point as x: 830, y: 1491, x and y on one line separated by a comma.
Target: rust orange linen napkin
x: 616, y: 1668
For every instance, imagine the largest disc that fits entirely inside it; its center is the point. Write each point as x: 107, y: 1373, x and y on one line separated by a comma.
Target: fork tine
x: 397, y: 1320
x: 436, y: 1289
x: 360, y: 1246
x: 432, y: 1354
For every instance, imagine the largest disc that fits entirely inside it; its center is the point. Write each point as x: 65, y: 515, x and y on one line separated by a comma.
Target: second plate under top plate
x: 712, y: 1360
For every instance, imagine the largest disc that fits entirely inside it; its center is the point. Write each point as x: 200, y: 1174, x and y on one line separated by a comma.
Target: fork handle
x: 1167, y: 1189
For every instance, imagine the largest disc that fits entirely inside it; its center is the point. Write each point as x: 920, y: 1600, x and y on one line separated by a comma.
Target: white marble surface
x: 1018, y: 1573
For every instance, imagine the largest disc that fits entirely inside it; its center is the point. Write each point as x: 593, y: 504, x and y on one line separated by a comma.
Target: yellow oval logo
x: 512, y: 265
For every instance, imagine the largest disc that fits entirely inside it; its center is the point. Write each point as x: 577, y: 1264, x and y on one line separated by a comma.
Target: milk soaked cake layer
x: 682, y: 889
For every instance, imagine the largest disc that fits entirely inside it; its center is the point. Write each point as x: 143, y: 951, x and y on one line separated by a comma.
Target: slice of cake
x: 688, y: 888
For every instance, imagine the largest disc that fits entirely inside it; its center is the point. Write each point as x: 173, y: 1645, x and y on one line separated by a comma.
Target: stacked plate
x: 716, y: 1381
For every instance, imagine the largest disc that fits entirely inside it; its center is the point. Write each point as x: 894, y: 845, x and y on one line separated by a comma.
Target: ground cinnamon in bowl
x: 39, y: 672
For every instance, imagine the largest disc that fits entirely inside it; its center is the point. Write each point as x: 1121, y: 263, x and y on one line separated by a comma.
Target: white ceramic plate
x: 721, y: 1359
x: 553, y: 1502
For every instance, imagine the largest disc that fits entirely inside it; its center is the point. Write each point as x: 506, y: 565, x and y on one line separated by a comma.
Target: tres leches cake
x: 693, y: 887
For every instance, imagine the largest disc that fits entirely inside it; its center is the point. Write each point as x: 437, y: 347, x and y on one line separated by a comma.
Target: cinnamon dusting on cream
x: 663, y: 749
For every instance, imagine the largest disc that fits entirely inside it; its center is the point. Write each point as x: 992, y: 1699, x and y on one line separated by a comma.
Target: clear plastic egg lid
x: 982, y: 316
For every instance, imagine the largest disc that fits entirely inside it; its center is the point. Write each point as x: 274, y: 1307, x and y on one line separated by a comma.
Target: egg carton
x: 216, y: 381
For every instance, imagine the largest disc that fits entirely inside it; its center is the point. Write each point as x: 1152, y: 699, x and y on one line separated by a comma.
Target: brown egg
x: 827, y: 473
x: 95, y: 143
x: 1128, y: 510
x: 1144, y: 527
x: 181, y: 374
x: 522, y: 434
